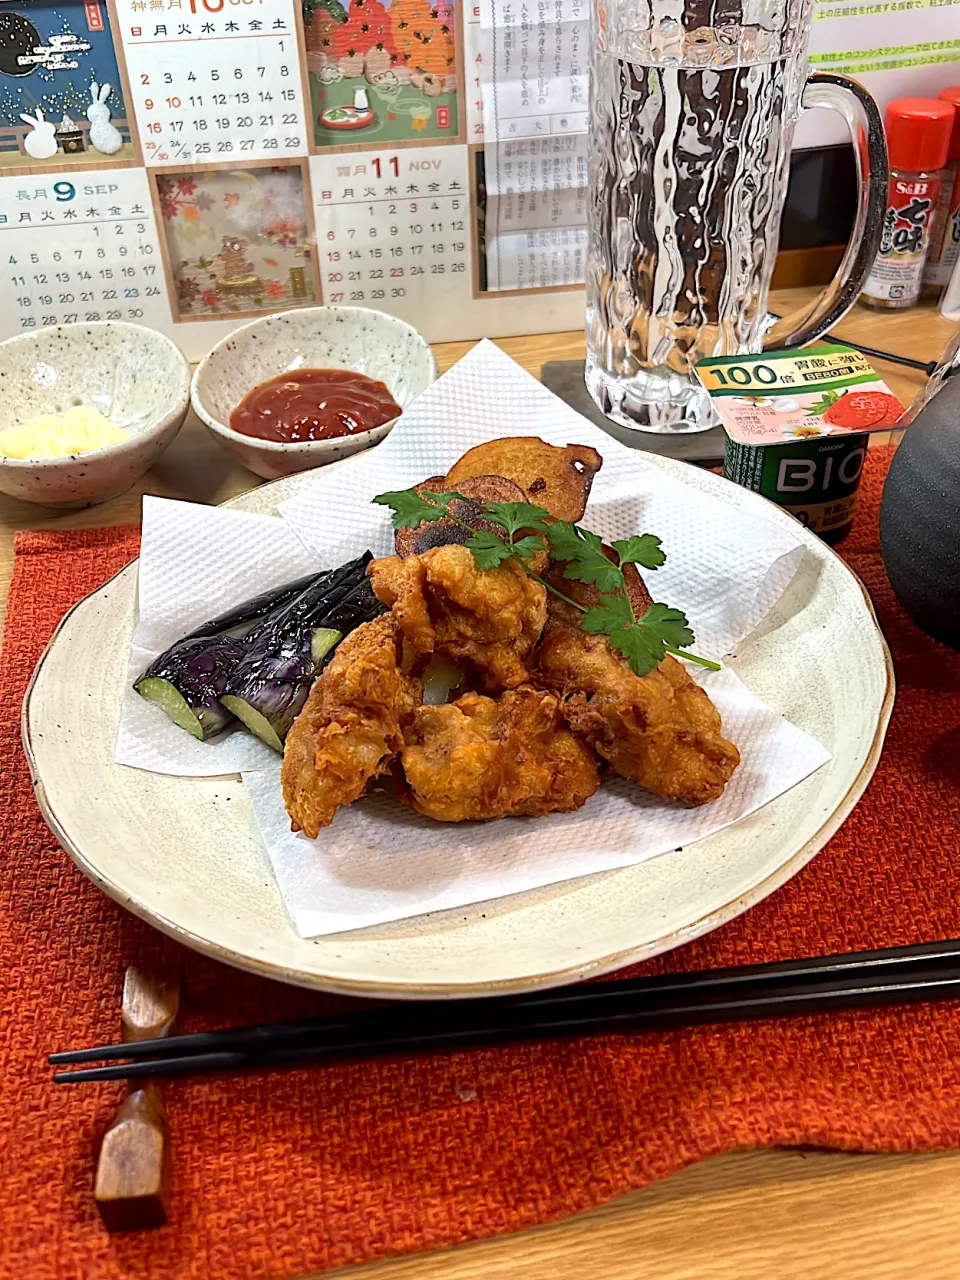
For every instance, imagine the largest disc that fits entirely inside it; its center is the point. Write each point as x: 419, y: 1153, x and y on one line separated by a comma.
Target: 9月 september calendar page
x: 193, y: 164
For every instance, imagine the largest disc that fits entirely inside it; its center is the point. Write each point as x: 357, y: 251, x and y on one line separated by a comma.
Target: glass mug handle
x: 866, y: 130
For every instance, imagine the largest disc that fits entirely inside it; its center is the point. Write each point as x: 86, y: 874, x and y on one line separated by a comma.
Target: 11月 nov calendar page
x: 193, y: 164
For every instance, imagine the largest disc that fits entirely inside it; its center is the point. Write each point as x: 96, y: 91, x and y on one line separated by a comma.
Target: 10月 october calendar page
x: 192, y: 164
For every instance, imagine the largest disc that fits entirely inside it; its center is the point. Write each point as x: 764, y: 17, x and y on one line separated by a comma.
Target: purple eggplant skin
x: 274, y: 630
x: 268, y: 688
x: 243, y: 617
x: 361, y: 605
x: 188, y: 679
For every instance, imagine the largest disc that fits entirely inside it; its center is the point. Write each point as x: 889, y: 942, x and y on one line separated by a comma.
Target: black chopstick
x: 630, y: 1016
x: 783, y: 986
x: 718, y: 984
x: 925, y: 366
x: 875, y: 353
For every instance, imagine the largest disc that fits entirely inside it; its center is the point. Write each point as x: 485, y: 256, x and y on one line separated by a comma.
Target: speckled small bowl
x: 370, y: 342
x: 135, y: 376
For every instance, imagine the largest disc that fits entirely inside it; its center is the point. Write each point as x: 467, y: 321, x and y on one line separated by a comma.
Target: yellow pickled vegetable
x: 58, y: 435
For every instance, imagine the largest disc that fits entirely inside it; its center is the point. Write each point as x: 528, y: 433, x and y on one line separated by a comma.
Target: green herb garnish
x: 513, y: 517
x: 644, y: 642
x: 411, y: 508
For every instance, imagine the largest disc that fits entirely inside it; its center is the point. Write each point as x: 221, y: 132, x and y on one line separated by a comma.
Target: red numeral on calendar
x: 393, y: 163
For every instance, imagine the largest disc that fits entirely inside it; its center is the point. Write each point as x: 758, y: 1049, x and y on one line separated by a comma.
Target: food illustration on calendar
x: 238, y: 240
x: 194, y: 163
x: 61, y: 92
x: 387, y: 68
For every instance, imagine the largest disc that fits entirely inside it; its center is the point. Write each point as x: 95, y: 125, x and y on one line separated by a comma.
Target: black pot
x: 920, y: 518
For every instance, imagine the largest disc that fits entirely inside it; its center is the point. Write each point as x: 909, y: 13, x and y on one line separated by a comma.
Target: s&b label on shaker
x: 898, y: 270
x: 816, y: 481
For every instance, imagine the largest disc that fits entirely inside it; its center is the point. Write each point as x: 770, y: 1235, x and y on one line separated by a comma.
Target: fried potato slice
x: 441, y: 533
x: 557, y: 479
x: 589, y: 595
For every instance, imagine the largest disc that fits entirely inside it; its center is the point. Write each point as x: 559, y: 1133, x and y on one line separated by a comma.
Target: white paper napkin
x: 724, y: 567
x: 380, y: 861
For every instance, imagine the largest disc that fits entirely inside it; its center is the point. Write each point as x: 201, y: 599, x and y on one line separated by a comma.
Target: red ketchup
x: 313, y: 404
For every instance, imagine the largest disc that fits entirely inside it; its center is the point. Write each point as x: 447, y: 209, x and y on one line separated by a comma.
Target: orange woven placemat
x: 282, y: 1174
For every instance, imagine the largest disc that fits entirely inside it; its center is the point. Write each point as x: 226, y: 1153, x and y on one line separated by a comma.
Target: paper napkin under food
x: 726, y: 568
x: 381, y: 861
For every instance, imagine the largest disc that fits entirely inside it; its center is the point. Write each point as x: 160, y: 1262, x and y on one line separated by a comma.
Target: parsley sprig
x: 644, y: 641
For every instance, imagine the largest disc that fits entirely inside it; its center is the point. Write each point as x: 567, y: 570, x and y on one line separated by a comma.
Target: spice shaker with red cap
x: 918, y: 139
x: 945, y: 239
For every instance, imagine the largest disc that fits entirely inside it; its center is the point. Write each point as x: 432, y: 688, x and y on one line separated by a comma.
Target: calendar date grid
x: 71, y: 285
x: 103, y: 264
x: 418, y: 245
x: 222, y: 112
x: 201, y: 105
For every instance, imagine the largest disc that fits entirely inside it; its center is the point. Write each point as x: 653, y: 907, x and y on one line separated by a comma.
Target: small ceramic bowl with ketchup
x: 298, y: 390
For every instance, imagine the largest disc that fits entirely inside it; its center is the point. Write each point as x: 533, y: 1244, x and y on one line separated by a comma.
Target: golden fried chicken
x: 480, y: 758
x: 350, y: 728
x: 444, y: 604
x: 661, y: 730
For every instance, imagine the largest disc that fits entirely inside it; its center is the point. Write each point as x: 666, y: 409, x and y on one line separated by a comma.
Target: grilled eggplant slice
x: 283, y: 655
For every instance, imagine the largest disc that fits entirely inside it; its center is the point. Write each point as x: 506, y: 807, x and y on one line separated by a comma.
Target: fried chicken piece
x: 480, y: 758
x: 661, y: 730
x: 350, y: 728
x: 445, y: 604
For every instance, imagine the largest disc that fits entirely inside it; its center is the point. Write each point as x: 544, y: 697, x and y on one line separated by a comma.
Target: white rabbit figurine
x: 104, y: 137
x: 41, y: 142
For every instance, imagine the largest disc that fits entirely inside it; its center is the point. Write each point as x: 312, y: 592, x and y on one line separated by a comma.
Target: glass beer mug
x: 692, y: 109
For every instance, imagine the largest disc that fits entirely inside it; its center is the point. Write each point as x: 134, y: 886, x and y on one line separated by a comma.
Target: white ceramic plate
x: 185, y: 855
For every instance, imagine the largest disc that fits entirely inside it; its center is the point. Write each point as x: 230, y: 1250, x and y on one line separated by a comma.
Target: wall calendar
x: 192, y: 164
x: 197, y: 163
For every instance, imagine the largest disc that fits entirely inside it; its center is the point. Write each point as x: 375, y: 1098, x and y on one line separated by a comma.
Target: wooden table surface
x: 775, y: 1215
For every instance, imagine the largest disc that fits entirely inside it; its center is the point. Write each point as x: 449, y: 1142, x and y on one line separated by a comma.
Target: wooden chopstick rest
x: 132, y: 1188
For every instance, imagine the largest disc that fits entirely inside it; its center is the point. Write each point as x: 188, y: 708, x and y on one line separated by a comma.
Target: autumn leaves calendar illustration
x: 191, y: 164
